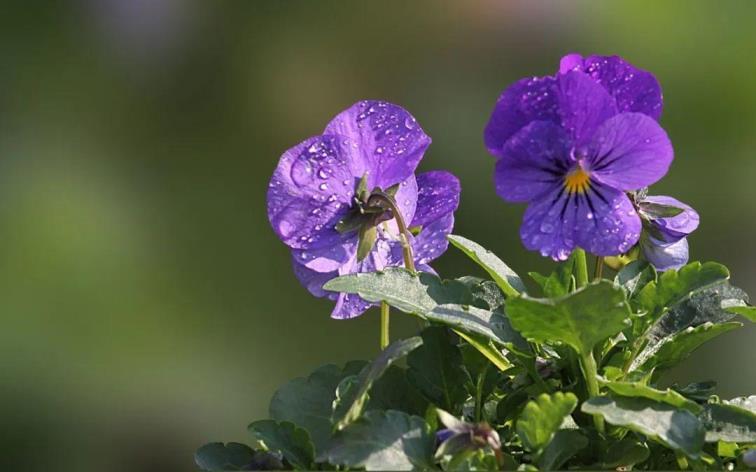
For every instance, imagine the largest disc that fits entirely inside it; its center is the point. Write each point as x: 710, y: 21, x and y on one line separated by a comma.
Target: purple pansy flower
x: 664, y: 242
x: 319, y: 193
x: 462, y: 436
x: 571, y: 145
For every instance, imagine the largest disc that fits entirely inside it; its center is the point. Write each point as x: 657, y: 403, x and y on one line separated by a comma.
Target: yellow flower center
x: 577, y: 181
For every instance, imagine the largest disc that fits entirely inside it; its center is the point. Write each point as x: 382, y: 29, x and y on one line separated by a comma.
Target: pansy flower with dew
x: 348, y: 200
x: 571, y: 145
x: 666, y: 224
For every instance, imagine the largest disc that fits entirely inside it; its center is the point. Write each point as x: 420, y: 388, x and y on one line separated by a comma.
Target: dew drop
x: 301, y: 171
x: 323, y: 186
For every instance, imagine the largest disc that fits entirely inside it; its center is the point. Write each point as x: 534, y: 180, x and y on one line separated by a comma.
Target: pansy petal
x: 384, y: 140
x: 313, y: 281
x: 675, y: 227
x: 437, y: 196
x: 524, y: 101
x: 548, y: 224
x: 665, y: 256
x: 635, y: 90
x: 311, y: 189
x: 606, y: 223
x: 348, y: 306
x: 533, y: 161
x: 328, y: 258
x: 583, y: 106
x: 407, y: 198
x: 570, y: 62
x: 432, y: 242
x: 630, y: 151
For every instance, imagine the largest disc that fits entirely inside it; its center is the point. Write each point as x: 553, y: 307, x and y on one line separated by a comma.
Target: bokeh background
x: 146, y: 305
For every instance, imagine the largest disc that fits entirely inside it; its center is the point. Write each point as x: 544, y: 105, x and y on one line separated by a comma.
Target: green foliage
x: 729, y: 422
x: 508, y: 281
x: 565, y: 444
x: 674, y: 427
x: 581, y: 319
x: 389, y: 440
x: 519, y: 377
x: 307, y: 402
x: 370, y: 374
x: 542, y: 417
x: 436, y: 369
x: 234, y: 456
x: 286, y: 438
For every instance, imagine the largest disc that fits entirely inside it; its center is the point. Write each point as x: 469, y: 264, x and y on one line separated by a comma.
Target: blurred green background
x: 146, y: 305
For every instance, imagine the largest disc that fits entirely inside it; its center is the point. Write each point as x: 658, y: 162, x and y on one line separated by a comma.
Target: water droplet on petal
x: 301, y: 171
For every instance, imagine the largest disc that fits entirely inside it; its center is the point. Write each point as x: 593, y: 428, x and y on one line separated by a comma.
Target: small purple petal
x: 437, y: 195
x: 583, y: 105
x: 629, y: 151
x: 349, y: 306
x: 533, y: 160
x: 384, y: 140
x: 311, y: 189
x: 444, y: 434
x: 665, y: 256
x: 522, y: 102
x: 407, y: 198
x: 606, y: 222
x: 635, y: 90
x: 548, y: 224
x: 431, y: 243
x: 570, y: 62
x: 313, y: 281
x: 676, y: 227
x: 328, y: 258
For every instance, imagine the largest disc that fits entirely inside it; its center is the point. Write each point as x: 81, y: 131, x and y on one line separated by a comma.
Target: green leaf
x: 671, y: 350
x: 410, y: 293
x: 307, y: 402
x: 673, y: 427
x: 486, y: 294
x: 657, y: 210
x: 673, y: 286
x: 509, y: 282
x: 487, y: 348
x: 491, y: 325
x: 625, y: 453
x: 373, y: 372
x: 393, y: 391
x: 287, y: 438
x: 542, y: 417
x: 581, y: 320
x: 561, y: 281
x: 729, y: 423
x: 748, y: 312
x: 634, y: 276
x: 443, y: 302
x: 697, y: 391
x: 565, y: 444
x: 390, y: 440
x: 706, y: 305
x: 437, y: 370
x: 668, y: 396
x: 367, y: 237
x: 219, y: 456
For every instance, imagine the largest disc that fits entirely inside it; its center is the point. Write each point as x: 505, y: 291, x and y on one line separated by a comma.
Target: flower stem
x: 581, y: 268
x: 384, y: 325
x: 599, y: 271
x: 387, y: 201
x: 588, y: 366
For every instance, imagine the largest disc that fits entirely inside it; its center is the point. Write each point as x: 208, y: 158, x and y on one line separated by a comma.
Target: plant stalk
x: 581, y: 268
x: 599, y: 271
x: 588, y: 366
x: 384, y: 325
